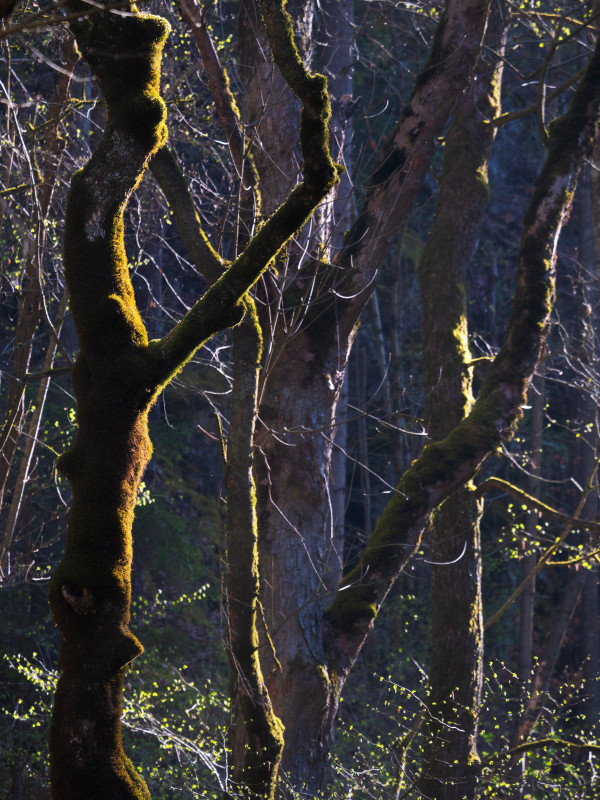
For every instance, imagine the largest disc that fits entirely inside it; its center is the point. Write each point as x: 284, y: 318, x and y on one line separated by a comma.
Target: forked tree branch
x: 445, y: 465
x: 221, y: 306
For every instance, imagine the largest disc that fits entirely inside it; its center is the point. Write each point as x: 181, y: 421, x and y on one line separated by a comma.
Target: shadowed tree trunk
x: 456, y: 668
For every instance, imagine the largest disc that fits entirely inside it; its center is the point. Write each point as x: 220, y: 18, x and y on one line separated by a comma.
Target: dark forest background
x: 177, y: 708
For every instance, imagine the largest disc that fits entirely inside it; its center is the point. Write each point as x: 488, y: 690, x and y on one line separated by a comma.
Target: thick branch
x: 404, y: 161
x: 445, y: 465
x: 126, y: 59
x: 220, y: 307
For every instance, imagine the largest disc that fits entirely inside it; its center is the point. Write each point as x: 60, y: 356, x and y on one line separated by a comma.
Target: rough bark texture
x: 297, y: 547
x: 293, y: 447
x: 404, y: 161
x: 90, y: 591
x: 456, y: 666
x: 269, y: 109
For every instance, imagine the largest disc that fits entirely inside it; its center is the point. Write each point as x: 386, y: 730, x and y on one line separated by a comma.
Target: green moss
x: 90, y: 591
x: 353, y: 609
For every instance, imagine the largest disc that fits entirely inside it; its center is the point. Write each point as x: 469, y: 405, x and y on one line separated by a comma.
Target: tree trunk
x: 257, y: 734
x: 456, y: 669
x: 90, y: 590
x: 116, y: 378
x: 299, y: 544
x: 306, y: 357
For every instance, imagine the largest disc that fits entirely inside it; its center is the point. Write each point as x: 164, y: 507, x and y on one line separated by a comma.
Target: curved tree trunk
x: 90, y: 591
x: 116, y: 378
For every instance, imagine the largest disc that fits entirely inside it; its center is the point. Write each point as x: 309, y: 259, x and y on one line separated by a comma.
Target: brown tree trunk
x: 257, y: 734
x: 456, y: 668
x: 299, y: 544
x: 306, y: 358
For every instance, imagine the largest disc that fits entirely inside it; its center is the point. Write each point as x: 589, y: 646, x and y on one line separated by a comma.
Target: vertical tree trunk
x: 455, y: 677
x: 306, y: 357
x: 257, y: 735
x: 299, y: 544
x: 90, y: 590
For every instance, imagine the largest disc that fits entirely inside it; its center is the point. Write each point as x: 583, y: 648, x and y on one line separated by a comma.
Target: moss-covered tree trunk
x: 292, y: 461
x: 455, y: 673
x: 117, y: 375
x: 446, y: 465
x: 90, y: 591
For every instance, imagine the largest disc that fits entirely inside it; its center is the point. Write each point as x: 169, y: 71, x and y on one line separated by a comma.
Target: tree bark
x: 456, y: 667
x: 90, y: 591
x: 307, y: 351
x: 257, y: 734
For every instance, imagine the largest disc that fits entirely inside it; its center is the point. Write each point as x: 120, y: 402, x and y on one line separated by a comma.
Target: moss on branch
x: 222, y: 305
x: 444, y: 466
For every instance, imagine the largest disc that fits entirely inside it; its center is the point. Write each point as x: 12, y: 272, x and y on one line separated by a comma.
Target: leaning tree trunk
x: 456, y: 665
